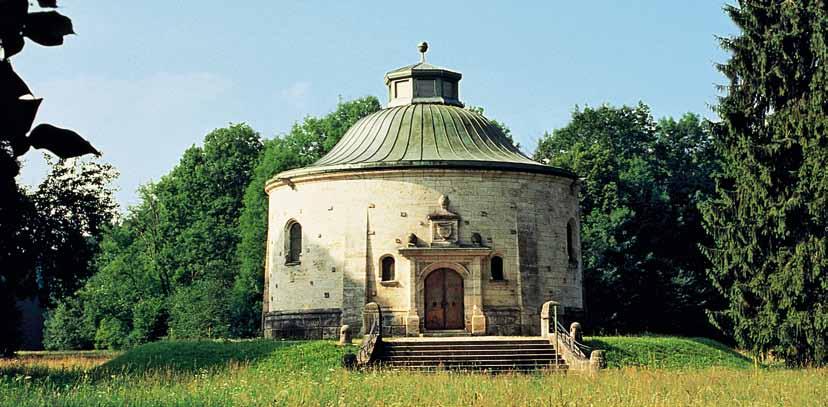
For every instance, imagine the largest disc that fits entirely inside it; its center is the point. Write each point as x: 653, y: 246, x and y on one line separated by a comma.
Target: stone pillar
x: 371, y: 314
x: 596, y: 360
x: 412, y: 320
x: 345, y: 335
x: 548, y: 318
x: 473, y: 287
x: 354, y: 268
x: 576, y: 332
x: 478, y: 325
x: 412, y: 323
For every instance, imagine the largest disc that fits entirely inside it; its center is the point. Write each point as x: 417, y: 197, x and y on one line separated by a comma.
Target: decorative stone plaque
x: 444, y: 225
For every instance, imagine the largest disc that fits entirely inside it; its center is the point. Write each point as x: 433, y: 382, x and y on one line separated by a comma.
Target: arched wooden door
x: 444, y: 300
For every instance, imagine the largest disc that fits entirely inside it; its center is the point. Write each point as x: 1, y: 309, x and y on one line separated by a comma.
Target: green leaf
x: 16, y: 117
x: 47, y: 28
x: 12, y: 13
x: 64, y: 143
x: 11, y: 86
x: 11, y: 44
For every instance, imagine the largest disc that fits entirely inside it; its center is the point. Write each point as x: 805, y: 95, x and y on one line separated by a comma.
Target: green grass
x: 262, y: 372
x: 665, y: 352
x: 196, y: 355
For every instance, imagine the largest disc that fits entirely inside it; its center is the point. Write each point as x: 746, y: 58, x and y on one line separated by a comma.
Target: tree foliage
x: 640, y: 226
x: 66, y: 328
x: 168, y: 268
x: 18, y: 109
x: 305, y: 143
x: 769, y: 221
x: 74, y: 203
x: 66, y: 216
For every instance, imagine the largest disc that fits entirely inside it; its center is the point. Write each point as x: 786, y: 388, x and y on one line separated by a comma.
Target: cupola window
x: 402, y: 89
x: 425, y: 88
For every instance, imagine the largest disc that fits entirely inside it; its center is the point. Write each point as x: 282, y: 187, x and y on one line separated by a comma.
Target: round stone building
x: 427, y: 209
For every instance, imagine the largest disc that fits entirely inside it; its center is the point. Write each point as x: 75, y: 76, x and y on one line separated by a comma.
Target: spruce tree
x: 769, y: 219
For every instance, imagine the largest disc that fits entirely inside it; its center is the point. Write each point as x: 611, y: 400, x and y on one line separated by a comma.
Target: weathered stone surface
x: 303, y: 324
x: 576, y: 332
x: 345, y: 335
x: 351, y: 220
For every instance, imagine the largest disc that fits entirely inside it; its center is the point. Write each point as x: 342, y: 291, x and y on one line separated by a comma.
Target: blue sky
x: 145, y: 80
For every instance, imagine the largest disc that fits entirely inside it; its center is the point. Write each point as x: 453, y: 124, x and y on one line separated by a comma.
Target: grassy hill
x: 657, y: 352
x: 665, y: 352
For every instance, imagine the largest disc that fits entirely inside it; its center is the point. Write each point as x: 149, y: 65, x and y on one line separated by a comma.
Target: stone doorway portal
x: 444, y: 300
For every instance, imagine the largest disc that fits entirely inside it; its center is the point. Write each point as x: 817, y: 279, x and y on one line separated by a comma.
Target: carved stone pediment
x: 444, y: 225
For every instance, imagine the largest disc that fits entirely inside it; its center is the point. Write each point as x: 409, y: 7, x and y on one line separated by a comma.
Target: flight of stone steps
x: 490, y: 354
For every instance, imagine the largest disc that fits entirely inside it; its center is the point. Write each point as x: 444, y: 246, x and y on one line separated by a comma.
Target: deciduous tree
x: 640, y: 226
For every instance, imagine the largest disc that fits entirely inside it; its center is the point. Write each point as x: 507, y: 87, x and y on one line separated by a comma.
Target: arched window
x: 294, y: 243
x: 496, y: 266
x: 570, y: 242
x: 387, y: 268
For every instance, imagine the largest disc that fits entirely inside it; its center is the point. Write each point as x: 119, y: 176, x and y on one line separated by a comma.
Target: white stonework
x: 350, y: 220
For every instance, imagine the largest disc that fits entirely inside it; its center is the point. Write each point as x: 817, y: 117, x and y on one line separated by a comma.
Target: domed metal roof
x: 425, y: 126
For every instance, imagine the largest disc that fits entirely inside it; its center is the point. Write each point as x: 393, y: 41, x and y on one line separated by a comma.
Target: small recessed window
x: 387, y: 268
x: 571, y: 254
x: 496, y: 266
x: 294, y: 242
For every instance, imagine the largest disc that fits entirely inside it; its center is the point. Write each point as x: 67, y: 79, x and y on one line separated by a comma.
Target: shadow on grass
x: 57, y: 376
x: 183, y: 356
x: 168, y: 360
x: 722, y: 348
x: 613, y: 355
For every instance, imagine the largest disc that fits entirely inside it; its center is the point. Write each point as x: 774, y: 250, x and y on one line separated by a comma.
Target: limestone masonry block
x: 521, y: 217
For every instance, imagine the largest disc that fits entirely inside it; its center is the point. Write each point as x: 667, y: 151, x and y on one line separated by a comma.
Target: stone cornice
x: 287, y: 180
x: 445, y: 251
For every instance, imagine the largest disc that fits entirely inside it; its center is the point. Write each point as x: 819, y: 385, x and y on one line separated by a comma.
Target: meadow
x: 261, y: 372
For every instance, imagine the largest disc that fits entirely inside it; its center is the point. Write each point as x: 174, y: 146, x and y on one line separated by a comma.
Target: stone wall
x: 303, y: 324
x: 503, y: 321
x: 351, y: 219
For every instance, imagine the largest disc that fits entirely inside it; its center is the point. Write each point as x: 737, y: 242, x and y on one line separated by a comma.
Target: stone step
x: 510, y: 353
x: 482, y: 368
x: 467, y: 346
x: 408, y: 352
x: 447, y: 333
x: 481, y: 356
x: 493, y: 362
x: 471, y: 354
x: 533, y: 342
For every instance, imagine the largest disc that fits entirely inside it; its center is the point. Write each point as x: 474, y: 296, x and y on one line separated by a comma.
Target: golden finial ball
x: 422, y: 47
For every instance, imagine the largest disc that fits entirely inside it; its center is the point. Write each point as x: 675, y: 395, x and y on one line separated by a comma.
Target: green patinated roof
x: 424, y: 135
x: 424, y: 127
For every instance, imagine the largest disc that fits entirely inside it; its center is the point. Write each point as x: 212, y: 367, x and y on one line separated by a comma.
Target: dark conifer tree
x: 769, y: 219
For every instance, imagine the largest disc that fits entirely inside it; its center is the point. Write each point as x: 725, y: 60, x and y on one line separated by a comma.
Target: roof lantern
x: 423, y: 83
